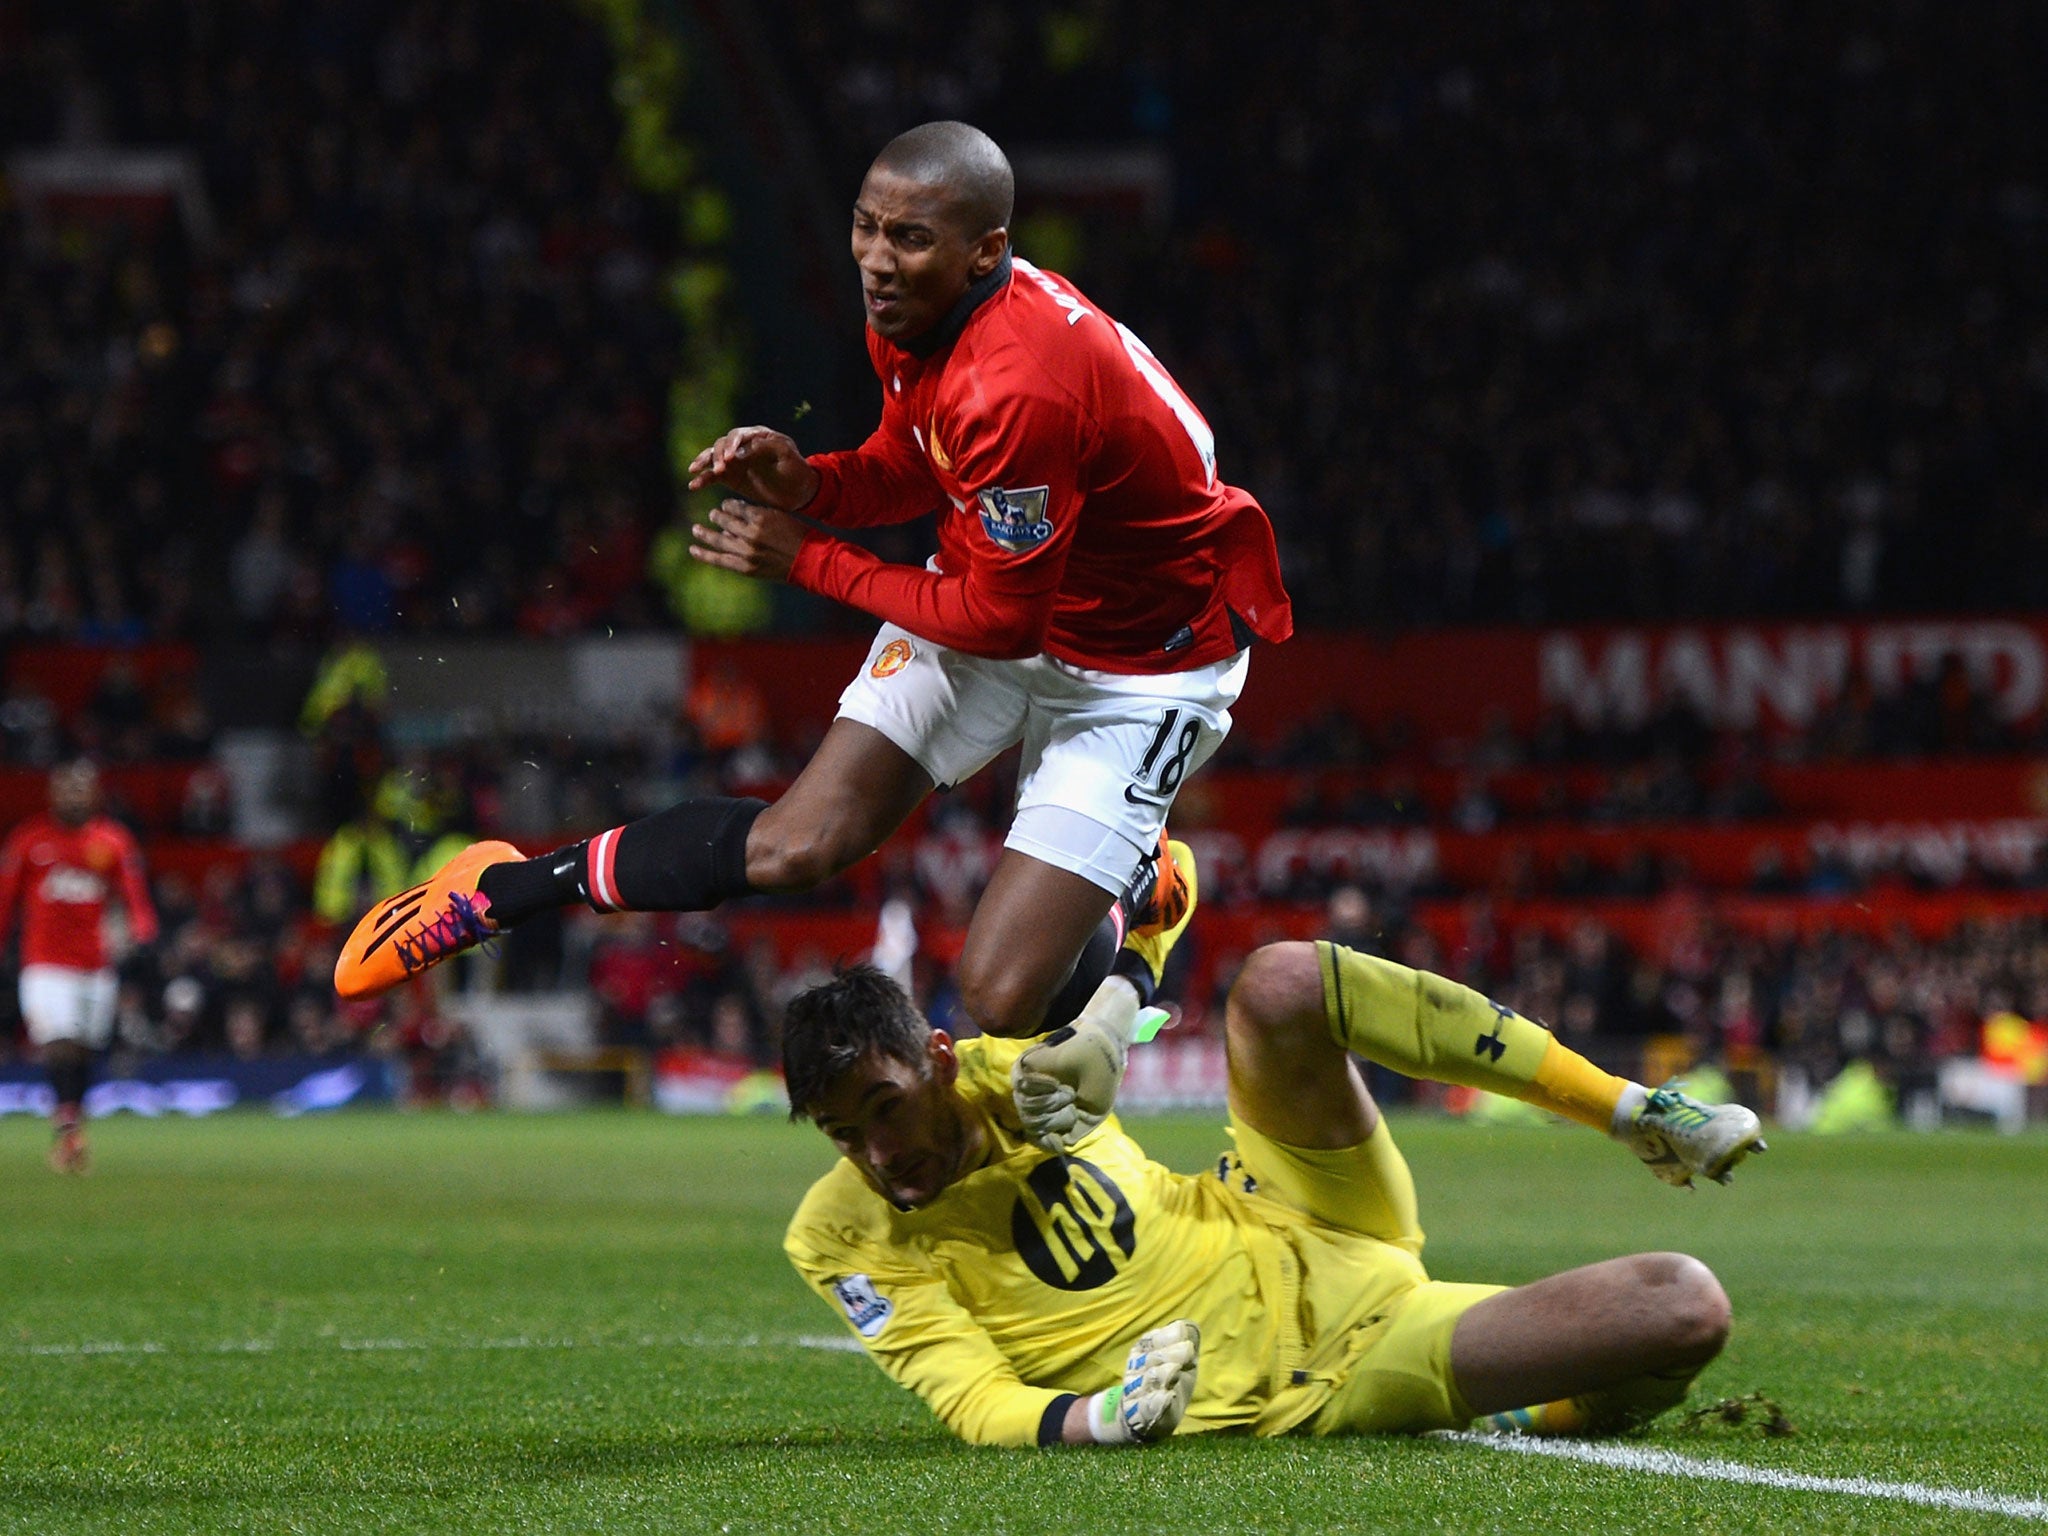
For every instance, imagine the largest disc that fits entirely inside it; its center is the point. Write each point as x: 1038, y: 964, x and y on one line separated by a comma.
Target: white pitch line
x: 838, y: 1343
x: 95, y: 1347
x: 1635, y: 1458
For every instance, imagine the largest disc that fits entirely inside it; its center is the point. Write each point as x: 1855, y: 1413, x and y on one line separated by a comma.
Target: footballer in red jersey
x: 61, y: 872
x: 1096, y: 592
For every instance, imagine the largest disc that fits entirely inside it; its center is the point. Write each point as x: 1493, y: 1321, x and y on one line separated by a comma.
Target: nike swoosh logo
x: 1135, y: 799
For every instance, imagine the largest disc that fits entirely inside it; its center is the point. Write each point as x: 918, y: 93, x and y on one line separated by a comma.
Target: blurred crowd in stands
x: 125, y: 720
x: 1946, y: 711
x: 248, y: 944
x: 1542, y: 315
x: 1551, y: 312
x: 1734, y: 997
x: 245, y: 962
x: 415, y: 375
x: 1535, y: 314
x: 244, y: 968
x: 1733, y: 994
x: 726, y: 723
x: 1344, y: 800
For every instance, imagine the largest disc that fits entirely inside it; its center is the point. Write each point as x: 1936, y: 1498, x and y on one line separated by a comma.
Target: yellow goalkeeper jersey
x: 1029, y: 1278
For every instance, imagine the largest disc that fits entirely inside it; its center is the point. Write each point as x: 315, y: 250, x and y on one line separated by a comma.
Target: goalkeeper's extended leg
x: 1596, y: 1350
x: 1429, y: 1027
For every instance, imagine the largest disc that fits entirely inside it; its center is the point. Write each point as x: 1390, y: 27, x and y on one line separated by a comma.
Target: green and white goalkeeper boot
x: 1679, y: 1137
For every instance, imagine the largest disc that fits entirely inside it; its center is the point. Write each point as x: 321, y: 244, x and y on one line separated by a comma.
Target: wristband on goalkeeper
x: 1106, y: 1419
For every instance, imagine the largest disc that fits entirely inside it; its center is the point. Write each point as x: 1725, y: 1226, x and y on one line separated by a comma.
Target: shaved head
x: 932, y: 220
x: 962, y: 161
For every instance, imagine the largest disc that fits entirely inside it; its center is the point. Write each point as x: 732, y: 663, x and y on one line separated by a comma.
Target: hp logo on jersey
x: 1015, y: 520
x: 1075, y: 1227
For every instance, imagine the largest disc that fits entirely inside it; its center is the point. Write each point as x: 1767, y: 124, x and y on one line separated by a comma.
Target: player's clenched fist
x: 1065, y: 1086
x: 1158, y: 1385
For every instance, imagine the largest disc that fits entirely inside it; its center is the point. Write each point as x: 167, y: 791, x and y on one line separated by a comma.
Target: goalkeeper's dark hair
x: 827, y: 1029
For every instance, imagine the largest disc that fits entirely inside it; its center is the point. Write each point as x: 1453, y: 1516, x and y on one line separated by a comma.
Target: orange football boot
x: 1160, y: 905
x: 1158, y: 893
x: 422, y: 925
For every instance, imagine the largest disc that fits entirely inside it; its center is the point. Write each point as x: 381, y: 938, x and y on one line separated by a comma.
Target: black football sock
x: 1128, y: 963
x: 69, y: 1079
x: 687, y: 858
x: 1093, y: 964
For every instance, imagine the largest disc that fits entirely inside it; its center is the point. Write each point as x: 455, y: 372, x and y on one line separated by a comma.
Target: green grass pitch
x: 584, y: 1323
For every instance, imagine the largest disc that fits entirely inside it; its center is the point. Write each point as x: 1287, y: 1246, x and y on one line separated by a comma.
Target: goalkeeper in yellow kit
x: 1086, y: 1294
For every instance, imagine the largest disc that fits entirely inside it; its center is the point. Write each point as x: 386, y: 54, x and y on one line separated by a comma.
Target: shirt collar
x: 948, y: 330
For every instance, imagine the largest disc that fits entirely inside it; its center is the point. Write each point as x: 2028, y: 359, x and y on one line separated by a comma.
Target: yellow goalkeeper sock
x: 1617, y: 1409
x: 1425, y: 1026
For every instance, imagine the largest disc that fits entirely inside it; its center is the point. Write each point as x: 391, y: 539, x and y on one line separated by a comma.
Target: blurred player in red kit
x: 61, y: 870
x: 1095, y: 596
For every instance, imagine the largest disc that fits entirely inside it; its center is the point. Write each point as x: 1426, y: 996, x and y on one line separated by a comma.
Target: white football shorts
x: 60, y: 1003
x: 1104, y: 752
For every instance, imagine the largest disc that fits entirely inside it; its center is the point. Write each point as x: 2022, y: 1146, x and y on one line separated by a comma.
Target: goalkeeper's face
x: 901, y: 1123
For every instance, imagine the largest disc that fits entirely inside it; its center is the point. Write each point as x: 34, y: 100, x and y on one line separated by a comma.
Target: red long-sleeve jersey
x: 1079, y: 509
x: 62, y: 877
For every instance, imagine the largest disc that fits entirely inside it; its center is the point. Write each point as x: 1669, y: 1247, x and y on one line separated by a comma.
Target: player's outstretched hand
x: 1158, y: 1385
x: 759, y: 465
x: 753, y: 540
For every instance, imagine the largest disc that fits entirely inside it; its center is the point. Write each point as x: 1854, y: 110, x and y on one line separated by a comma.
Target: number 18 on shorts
x: 1104, y: 753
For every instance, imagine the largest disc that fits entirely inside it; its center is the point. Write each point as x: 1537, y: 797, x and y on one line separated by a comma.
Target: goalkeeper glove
x: 1066, y: 1085
x: 1158, y: 1384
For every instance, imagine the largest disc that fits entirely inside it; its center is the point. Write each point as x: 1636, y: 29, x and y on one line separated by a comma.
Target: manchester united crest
x: 894, y: 658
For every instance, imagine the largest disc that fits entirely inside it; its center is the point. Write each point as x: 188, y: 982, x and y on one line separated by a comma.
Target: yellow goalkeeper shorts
x: 1397, y: 1380
x: 1377, y: 1328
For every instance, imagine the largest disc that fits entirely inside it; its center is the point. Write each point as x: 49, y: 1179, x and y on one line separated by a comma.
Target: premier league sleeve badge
x: 1015, y: 519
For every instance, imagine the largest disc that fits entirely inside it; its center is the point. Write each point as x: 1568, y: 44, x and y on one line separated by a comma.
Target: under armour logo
x: 1227, y: 1165
x: 1493, y: 1042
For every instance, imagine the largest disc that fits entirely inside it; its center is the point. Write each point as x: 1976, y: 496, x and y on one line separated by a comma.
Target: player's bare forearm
x: 760, y: 465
